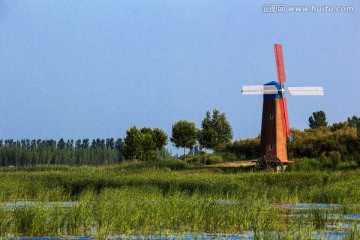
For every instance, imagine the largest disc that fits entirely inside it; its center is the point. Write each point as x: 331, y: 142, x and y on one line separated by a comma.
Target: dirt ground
x: 236, y: 164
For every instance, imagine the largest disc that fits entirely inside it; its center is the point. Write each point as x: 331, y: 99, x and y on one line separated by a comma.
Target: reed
x: 123, y: 201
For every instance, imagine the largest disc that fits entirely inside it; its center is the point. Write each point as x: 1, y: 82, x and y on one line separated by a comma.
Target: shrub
x: 347, y: 165
x: 335, y: 157
x: 228, y: 157
x: 206, y: 159
x: 214, y: 159
x: 175, y: 164
x: 306, y: 164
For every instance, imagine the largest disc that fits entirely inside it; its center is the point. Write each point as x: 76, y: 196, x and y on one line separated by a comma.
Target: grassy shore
x: 168, y: 198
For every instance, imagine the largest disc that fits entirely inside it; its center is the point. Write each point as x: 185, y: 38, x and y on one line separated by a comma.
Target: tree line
x: 28, y: 152
x: 339, y: 141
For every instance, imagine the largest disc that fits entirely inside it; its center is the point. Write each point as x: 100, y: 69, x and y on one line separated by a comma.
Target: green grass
x: 166, y: 198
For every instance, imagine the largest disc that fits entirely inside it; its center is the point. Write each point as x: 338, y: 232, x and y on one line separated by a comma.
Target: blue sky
x: 87, y: 69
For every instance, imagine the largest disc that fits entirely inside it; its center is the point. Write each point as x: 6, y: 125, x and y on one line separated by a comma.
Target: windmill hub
x: 275, y: 127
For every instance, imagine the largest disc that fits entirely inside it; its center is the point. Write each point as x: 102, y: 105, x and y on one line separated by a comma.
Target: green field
x: 168, y: 198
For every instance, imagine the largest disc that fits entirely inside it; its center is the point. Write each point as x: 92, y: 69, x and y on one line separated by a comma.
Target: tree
x: 61, y: 144
x: 160, y: 138
x: 152, y: 140
x: 85, y: 143
x: 317, y: 120
x: 110, y: 143
x: 216, y: 130
x: 184, y: 135
x: 147, y: 146
x: 119, y: 144
x: 142, y: 144
x: 354, y: 122
x: 132, y: 144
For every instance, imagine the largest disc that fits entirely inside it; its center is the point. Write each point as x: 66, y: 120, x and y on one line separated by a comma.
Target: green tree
x: 147, y: 146
x: 61, y: 144
x: 338, y: 126
x: 145, y: 130
x: 142, y: 144
x: 160, y: 138
x: 354, y: 122
x: 152, y: 140
x: 184, y: 134
x: 119, y: 144
x: 216, y: 130
x: 132, y: 144
x: 317, y: 120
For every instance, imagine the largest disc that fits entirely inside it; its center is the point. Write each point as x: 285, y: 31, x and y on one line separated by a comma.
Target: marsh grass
x: 156, y: 201
x: 114, y: 212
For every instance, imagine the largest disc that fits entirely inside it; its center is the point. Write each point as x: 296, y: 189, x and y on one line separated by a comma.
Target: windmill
x: 275, y: 127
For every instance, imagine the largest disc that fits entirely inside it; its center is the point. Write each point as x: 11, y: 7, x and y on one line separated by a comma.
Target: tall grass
x: 68, y: 184
x: 139, y: 211
x: 130, y: 200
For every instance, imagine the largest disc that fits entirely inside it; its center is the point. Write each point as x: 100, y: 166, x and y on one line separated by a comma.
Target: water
x: 309, y: 206
x: 17, y: 204
x: 331, y: 216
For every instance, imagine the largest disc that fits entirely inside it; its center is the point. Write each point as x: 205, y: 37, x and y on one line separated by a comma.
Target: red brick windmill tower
x: 275, y: 128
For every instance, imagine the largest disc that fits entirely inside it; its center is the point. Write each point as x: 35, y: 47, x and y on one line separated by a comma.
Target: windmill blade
x: 284, y: 116
x: 302, y: 91
x: 259, y: 89
x: 279, y: 59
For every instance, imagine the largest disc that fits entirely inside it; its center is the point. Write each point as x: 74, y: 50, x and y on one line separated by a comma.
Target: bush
x: 306, y: 164
x: 228, y: 157
x: 243, y: 149
x: 323, y: 163
x: 206, y: 159
x: 214, y: 159
x: 335, y: 157
x: 175, y: 164
x: 347, y: 165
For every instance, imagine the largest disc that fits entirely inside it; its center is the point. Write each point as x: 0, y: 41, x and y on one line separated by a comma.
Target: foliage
x: 243, y: 149
x: 355, y: 123
x: 216, y: 130
x: 160, y: 138
x: 184, y: 135
x: 310, y: 164
x: 351, y: 165
x: 206, y: 159
x: 173, y: 164
x: 340, y: 144
x: 228, y: 156
x: 337, y: 144
x: 317, y: 120
x: 143, y: 144
x: 132, y: 144
x: 28, y: 152
x: 338, y: 125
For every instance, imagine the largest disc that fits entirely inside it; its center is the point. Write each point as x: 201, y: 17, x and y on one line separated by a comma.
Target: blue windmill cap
x: 277, y: 95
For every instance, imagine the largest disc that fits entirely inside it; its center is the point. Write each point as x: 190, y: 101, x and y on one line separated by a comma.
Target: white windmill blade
x: 259, y: 89
x: 302, y: 91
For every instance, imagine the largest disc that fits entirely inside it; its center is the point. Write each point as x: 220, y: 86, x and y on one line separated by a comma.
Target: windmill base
x: 270, y: 163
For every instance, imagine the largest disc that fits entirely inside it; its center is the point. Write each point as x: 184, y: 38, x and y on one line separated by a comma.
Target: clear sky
x: 93, y: 68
